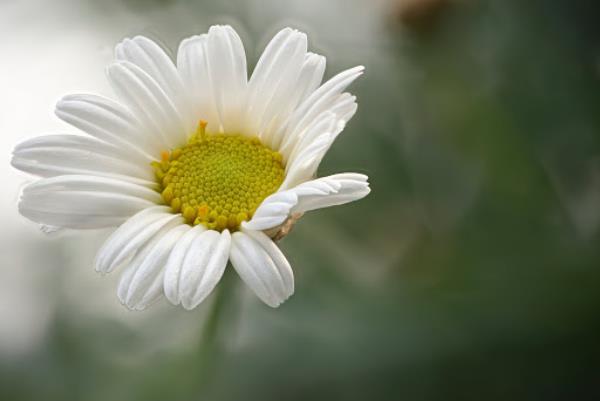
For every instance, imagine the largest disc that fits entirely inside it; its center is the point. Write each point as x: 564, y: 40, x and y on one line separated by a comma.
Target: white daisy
x: 195, y: 164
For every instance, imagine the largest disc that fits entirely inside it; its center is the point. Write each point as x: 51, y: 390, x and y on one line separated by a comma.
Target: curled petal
x: 323, y: 192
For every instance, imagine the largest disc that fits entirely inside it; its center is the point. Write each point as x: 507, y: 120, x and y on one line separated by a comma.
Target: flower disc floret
x: 218, y: 180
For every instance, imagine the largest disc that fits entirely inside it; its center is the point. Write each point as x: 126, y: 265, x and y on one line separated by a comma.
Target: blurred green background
x: 471, y: 272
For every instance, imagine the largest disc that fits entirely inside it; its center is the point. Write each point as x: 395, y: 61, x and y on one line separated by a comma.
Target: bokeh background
x: 472, y: 271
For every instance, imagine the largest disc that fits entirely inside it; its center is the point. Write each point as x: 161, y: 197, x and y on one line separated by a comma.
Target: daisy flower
x: 196, y: 164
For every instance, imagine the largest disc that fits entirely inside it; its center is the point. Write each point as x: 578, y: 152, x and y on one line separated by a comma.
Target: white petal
x: 262, y: 266
x: 273, y: 85
x: 273, y: 211
x: 46, y: 229
x: 83, y: 201
x: 341, y: 109
x: 309, y: 79
x: 147, y: 280
x: 192, y: 64
x: 228, y: 75
x: 311, y: 75
x: 151, y: 58
x: 91, y: 184
x: 124, y: 281
x: 324, y: 124
x: 139, y: 253
x: 173, y: 266
x: 203, y: 267
x: 305, y: 164
x: 152, y: 294
x: 339, y: 112
x: 148, y: 101
x: 323, y: 192
x: 344, y: 107
x: 108, y: 121
x: 132, y: 235
x: 151, y: 283
x: 329, y: 191
x: 52, y: 155
x: 321, y: 100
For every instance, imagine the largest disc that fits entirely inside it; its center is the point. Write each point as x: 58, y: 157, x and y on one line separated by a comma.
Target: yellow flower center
x: 218, y: 180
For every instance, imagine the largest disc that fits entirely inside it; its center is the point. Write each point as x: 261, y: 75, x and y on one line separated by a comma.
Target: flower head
x: 195, y: 164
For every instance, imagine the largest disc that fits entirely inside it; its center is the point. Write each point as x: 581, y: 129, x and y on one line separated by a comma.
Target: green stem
x: 210, y: 349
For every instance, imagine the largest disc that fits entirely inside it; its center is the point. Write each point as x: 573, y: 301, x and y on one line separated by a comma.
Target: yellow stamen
x: 189, y: 213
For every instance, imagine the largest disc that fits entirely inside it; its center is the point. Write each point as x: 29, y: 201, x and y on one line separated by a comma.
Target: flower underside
x: 218, y: 180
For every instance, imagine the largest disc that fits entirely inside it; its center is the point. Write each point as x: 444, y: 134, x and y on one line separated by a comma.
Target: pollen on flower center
x: 218, y: 180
